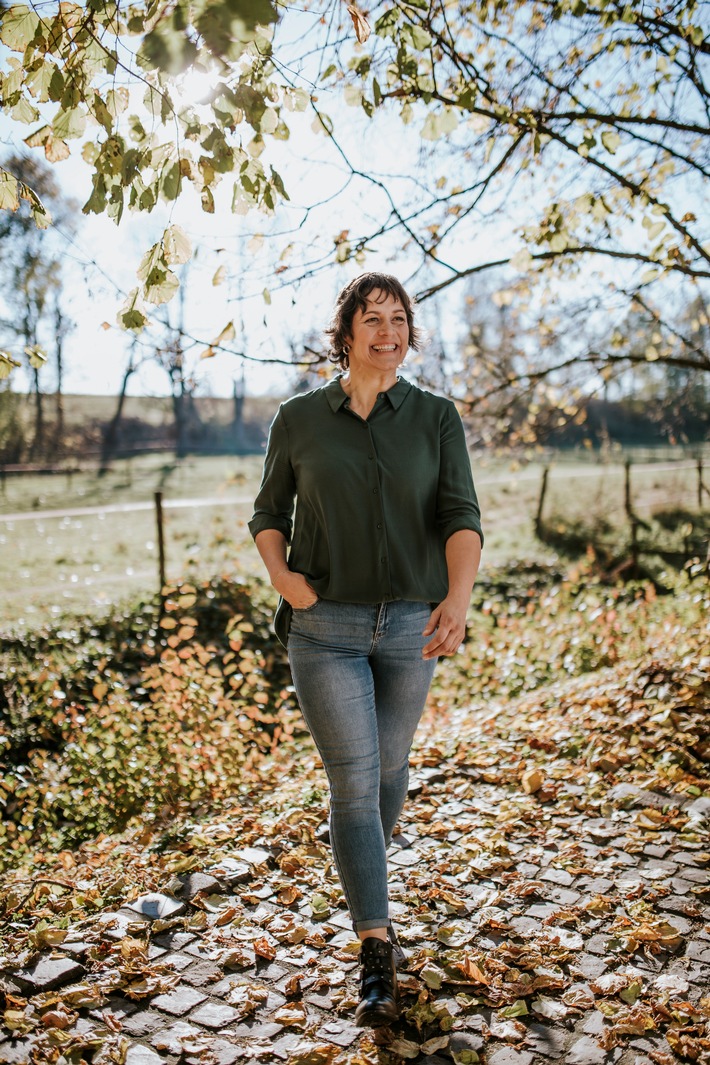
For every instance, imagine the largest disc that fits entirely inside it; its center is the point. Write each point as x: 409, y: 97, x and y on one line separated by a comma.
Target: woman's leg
x: 329, y: 648
x: 402, y: 679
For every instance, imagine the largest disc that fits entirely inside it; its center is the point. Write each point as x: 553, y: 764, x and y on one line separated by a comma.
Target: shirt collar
x: 336, y: 396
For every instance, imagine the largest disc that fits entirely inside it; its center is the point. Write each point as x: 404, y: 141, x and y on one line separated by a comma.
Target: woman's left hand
x: 448, y: 623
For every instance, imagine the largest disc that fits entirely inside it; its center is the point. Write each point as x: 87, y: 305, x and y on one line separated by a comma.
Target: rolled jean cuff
x: 364, y: 926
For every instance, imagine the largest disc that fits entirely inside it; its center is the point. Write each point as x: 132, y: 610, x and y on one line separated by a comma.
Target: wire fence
x: 629, y: 509
x: 77, y: 550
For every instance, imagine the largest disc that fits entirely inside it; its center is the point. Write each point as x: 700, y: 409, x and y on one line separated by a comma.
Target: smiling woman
x: 386, y: 546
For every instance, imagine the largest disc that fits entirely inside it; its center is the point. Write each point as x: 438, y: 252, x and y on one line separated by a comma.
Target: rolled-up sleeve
x: 457, y: 503
x: 273, y: 506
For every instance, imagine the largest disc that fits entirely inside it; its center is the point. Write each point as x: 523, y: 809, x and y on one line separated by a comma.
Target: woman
x: 384, y: 550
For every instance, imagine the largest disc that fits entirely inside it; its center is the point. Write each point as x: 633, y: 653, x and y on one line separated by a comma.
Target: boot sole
x: 374, y: 1019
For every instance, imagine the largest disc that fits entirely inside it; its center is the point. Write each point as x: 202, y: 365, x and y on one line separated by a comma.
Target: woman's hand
x: 295, y: 589
x: 448, y: 623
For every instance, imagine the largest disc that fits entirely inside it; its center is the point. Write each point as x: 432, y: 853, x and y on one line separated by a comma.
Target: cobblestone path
x: 543, y: 921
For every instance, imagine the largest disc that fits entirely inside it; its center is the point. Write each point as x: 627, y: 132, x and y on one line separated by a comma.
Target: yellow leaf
x: 531, y: 781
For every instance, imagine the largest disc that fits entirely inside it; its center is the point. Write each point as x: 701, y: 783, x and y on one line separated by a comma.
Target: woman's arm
x: 448, y: 620
x: 295, y: 589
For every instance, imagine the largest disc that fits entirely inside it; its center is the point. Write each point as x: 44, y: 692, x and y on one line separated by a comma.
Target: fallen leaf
x: 531, y: 781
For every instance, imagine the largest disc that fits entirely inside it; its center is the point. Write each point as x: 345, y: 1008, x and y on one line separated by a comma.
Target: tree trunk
x: 179, y: 413
x: 59, y: 327
x: 110, y: 436
x: 238, y: 417
x: 37, y: 445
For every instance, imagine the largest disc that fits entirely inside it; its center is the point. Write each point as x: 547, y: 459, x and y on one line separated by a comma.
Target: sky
x: 100, y: 259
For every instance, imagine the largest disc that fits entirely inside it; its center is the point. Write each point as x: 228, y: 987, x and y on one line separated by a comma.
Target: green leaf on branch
x: 68, y: 124
x: 228, y: 26
x: 386, y: 25
x: 9, y: 198
x: 40, y: 215
x: 7, y: 364
x: 170, y: 181
x: 23, y: 111
x: 168, y: 46
x: 36, y: 356
x: 18, y: 27
x: 160, y: 286
x: 150, y: 261
x: 416, y: 36
x: 45, y: 81
x: 117, y: 101
x: 131, y: 314
x: 176, y: 245
x: 437, y: 124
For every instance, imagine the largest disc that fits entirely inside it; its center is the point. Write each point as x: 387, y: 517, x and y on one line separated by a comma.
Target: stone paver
x: 154, y: 905
x: 555, y: 903
x: 188, y: 885
x: 179, y: 1001
x: 142, y: 1022
x: 546, y: 1039
x: 142, y: 1055
x: 341, y: 1032
x: 586, y: 1051
x: 15, y: 1051
x: 170, y: 1038
x: 508, y: 1056
x: 49, y: 973
x: 215, y: 1015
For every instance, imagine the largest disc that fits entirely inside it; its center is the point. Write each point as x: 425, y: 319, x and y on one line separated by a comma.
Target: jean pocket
x: 305, y: 609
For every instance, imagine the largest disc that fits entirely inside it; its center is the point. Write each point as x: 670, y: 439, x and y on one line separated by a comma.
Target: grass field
x: 86, y: 561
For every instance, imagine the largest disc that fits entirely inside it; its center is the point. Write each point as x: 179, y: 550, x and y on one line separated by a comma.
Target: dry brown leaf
x: 362, y: 26
x: 292, y: 987
x: 292, y: 1015
x: 531, y: 781
x: 59, y: 1018
x: 471, y: 970
x: 289, y: 894
x: 264, y: 949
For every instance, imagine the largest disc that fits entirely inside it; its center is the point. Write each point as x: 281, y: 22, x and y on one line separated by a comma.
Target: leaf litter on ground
x: 516, y: 792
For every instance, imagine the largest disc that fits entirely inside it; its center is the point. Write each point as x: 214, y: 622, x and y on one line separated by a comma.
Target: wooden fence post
x: 634, y: 544
x: 161, y: 538
x: 701, y: 486
x: 540, y: 504
x: 627, y: 489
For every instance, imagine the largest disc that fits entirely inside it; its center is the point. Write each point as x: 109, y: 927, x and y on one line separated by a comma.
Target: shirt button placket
x: 382, y: 539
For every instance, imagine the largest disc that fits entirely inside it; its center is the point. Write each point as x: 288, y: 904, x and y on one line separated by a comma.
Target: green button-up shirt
x: 376, y: 498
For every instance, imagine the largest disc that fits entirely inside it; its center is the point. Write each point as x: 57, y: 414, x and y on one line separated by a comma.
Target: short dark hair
x: 354, y: 296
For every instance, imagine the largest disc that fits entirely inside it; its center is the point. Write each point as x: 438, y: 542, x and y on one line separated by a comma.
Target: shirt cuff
x: 269, y: 521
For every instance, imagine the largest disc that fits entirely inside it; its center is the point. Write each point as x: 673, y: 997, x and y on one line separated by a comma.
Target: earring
x: 346, y: 349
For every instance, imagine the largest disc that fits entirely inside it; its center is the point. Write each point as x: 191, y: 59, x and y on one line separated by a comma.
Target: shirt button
x: 379, y: 525
x: 371, y: 456
x: 380, y: 395
x: 374, y: 491
x: 383, y: 560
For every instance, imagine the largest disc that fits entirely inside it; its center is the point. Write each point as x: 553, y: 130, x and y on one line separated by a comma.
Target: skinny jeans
x: 362, y: 686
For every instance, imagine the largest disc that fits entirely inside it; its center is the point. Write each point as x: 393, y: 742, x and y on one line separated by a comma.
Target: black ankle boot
x: 401, y: 961
x: 378, y: 987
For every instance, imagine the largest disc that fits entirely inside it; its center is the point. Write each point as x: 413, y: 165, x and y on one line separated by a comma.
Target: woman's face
x: 379, y: 335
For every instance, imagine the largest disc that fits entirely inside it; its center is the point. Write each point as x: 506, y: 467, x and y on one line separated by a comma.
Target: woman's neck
x: 363, y: 390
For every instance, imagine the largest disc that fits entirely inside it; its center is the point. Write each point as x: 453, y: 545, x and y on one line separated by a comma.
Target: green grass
x: 84, y: 563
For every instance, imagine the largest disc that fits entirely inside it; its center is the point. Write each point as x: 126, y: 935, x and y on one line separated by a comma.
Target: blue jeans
x: 362, y: 686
